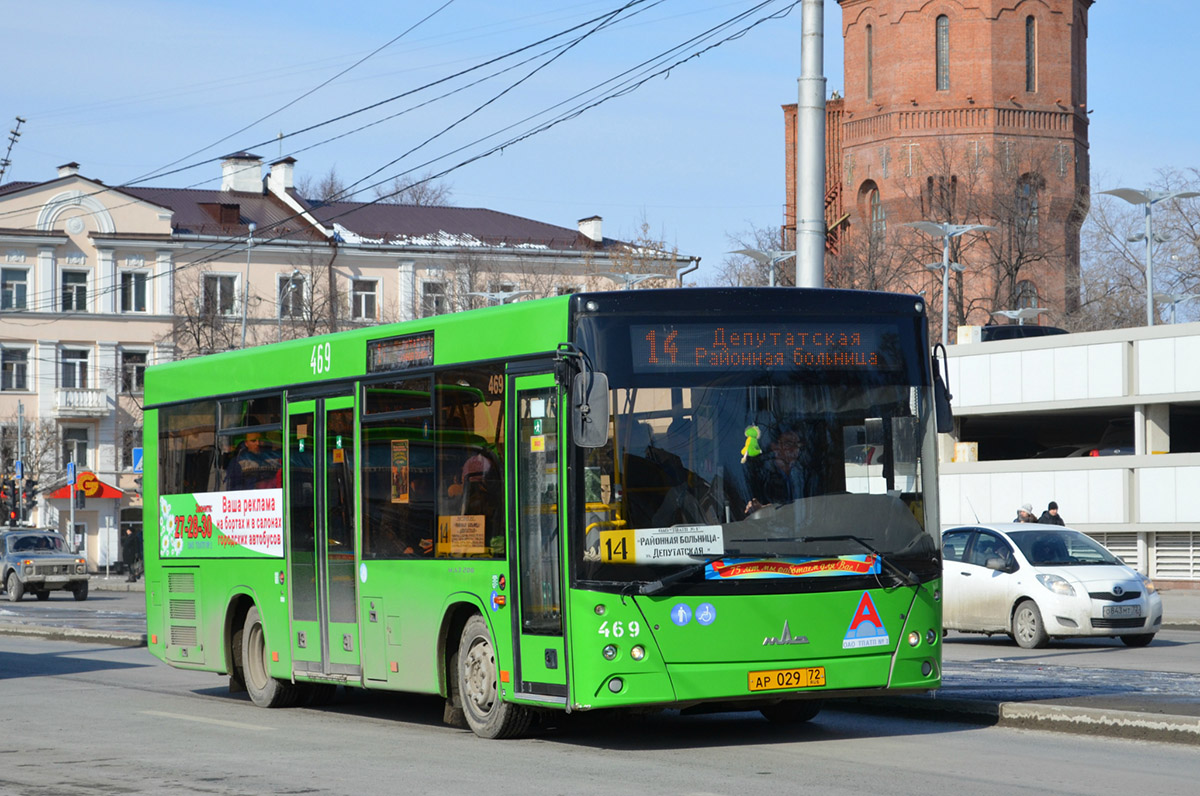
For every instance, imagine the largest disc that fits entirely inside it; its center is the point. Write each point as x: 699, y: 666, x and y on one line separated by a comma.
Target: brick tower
x: 962, y: 113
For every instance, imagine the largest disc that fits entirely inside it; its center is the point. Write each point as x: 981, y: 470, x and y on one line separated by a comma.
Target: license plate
x: 1117, y: 611
x: 778, y: 679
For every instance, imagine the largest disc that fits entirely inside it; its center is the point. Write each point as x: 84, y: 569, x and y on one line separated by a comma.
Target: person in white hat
x: 1025, y: 514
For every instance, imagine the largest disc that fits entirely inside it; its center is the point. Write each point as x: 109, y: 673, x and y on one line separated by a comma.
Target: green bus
x: 698, y: 499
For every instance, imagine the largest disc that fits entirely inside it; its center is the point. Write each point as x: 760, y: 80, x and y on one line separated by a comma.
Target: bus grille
x: 183, y: 636
x: 181, y: 582
x: 183, y: 609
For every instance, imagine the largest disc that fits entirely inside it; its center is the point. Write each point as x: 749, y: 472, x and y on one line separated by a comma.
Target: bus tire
x: 265, y: 691
x: 486, y: 713
x: 794, y: 711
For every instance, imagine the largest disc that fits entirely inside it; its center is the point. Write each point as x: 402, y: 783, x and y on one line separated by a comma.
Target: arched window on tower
x: 1027, y: 295
x: 1030, y: 54
x: 870, y: 62
x: 943, y: 53
x: 1026, y: 211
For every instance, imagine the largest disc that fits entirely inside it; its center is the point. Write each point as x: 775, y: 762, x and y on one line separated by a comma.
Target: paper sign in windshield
x: 752, y: 568
x: 682, y: 544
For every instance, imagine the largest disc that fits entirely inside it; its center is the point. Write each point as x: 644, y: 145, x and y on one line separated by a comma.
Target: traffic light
x: 29, y: 497
x: 11, y: 503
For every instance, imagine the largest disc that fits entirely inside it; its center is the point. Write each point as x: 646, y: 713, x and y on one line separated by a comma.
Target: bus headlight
x: 637, y: 653
x: 610, y: 651
x: 931, y: 636
x: 616, y: 684
x: 914, y: 638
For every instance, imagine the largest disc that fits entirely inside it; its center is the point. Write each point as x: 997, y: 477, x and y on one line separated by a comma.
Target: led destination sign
x: 758, y: 346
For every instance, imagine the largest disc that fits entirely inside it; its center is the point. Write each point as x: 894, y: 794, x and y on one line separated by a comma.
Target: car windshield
x: 1062, y: 548
x: 35, y: 543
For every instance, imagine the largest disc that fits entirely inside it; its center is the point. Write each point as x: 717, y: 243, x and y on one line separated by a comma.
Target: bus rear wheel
x: 265, y: 691
x: 487, y: 715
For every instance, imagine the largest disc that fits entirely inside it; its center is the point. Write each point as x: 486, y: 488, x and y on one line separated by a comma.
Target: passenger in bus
x: 482, y: 495
x: 256, y: 465
x: 781, y: 476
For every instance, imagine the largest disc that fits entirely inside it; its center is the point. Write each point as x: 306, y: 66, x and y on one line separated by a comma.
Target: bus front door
x: 321, y: 537
x: 540, y: 665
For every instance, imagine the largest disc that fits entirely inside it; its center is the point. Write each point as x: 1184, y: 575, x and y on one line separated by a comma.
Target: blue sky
x: 126, y: 87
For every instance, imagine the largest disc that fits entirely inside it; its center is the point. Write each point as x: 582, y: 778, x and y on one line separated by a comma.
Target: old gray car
x: 40, y: 562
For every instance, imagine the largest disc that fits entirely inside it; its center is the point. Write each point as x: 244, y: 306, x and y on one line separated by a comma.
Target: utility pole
x: 13, y: 135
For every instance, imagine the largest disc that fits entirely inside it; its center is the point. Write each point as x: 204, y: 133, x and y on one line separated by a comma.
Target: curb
x: 1074, y: 719
x: 51, y: 633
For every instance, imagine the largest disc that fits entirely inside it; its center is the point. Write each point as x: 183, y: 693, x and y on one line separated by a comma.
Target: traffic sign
x: 19, y: 466
x: 71, y: 473
x: 137, y: 460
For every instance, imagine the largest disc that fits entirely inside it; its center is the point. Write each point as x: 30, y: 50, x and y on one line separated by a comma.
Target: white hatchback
x: 1036, y: 582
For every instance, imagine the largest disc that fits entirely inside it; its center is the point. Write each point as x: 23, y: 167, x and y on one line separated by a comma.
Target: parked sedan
x: 1037, y: 582
x: 39, y: 562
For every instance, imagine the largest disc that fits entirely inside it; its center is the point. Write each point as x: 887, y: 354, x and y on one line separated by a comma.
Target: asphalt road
x: 86, y: 719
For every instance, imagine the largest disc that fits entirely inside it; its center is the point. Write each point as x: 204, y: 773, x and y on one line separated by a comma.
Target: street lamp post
x: 246, y: 282
x: 630, y: 280
x: 500, y: 296
x: 946, y: 232
x: 769, y: 258
x: 284, y: 301
x: 1149, y: 198
x: 1175, y: 299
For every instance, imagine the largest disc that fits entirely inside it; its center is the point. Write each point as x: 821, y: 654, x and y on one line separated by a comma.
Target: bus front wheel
x: 486, y: 713
x: 265, y: 691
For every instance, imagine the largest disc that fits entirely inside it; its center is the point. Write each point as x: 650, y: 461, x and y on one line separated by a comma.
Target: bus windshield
x: 769, y: 465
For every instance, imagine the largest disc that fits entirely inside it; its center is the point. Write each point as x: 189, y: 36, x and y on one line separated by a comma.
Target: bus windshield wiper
x: 655, y: 586
x: 906, y: 577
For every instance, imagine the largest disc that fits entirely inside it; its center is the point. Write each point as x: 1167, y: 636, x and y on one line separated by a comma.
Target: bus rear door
x: 321, y: 537
x: 541, y: 668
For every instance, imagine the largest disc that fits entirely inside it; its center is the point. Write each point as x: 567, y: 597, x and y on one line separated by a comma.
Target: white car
x: 1037, y: 582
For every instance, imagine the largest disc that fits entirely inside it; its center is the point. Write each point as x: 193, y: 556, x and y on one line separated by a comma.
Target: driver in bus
x: 782, y: 476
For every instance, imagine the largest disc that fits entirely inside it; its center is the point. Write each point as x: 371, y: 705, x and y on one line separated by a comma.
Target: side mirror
x: 943, y: 414
x: 589, y: 409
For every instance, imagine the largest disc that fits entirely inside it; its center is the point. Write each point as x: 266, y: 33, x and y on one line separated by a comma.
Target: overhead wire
x: 627, y: 86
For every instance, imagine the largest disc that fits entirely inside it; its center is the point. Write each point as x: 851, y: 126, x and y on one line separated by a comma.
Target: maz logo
x: 784, y: 638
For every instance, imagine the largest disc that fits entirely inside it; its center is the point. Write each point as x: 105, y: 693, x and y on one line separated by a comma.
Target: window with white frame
x: 291, y: 296
x: 362, y: 299
x: 74, y: 371
x: 14, y: 289
x: 130, y: 438
x: 133, y: 371
x: 74, y: 291
x: 566, y: 290
x: 433, y: 298
x: 75, y: 447
x: 220, y: 295
x: 133, y: 291
x: 14, y: 369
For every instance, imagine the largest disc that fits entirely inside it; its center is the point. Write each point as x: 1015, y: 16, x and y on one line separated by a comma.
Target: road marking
x: 220, y: 722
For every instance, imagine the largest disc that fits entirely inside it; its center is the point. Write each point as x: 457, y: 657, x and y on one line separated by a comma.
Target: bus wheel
x: 795, y: 711
x: 486, y: 714
x: 265, y: 690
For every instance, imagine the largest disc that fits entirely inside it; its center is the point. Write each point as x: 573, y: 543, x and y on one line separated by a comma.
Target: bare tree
x: 421, y: 191
x: 204, y: 321
x: 645, y: 254
x: 740, y: 270
x: 327, y: 188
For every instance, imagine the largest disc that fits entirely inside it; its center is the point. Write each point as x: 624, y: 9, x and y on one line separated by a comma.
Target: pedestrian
x: 131, y: 553
x: 1051, y: 516
x: 1025, y: 514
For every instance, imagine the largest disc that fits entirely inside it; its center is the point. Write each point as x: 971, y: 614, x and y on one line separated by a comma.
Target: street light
x: 630, y: 280
x: 946, y: 232
x: 1175, y: 299
x: 246, y: 282
x: 1149, y: 199
x: 501, y: 296
x: 1021, y: 315
x: 283, y: 301
x: 770, y: 258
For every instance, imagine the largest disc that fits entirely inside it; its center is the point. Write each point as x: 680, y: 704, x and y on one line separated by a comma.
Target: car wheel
x: 1138, y: 640
x: 487, y: 715
x: 265, y: 691
x: 42, y: 595
x: 793, y: 711
x: 81, y: 592
x: 1028, y: 628
x: 15, y: 589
